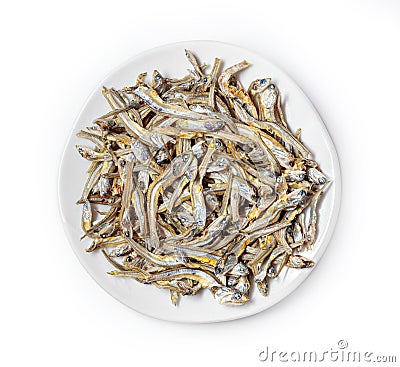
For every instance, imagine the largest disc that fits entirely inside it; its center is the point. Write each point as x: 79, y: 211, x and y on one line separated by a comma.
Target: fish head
x: 300, y: 262
x: 259, y: 85
x: 243, y: 285
x: 85, y: 152
x: 198, y: 149
x: 263, y: 287
x: 181, y: 163
x: 219, y: 165
x: 157, y: 79
x: 225, y: 264
x: 228, y: 296
x: 239, y: 270
x: 270, y: 95
x: 296, y: 197
x: 316, y: 176
x: 211, y: 201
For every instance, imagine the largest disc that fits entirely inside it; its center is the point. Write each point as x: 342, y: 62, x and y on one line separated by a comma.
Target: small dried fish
x: 204, y: 184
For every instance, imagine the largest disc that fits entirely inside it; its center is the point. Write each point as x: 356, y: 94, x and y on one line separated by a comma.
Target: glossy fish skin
x: 229, y: 89
x: 177, y: 168
x: 199, y: 182
x: 228, y: 296
x: 299, y: 262
x: 92, y: 155
x: 316, y: 176
x: 285, y: 202
x: 87, y: 216
x: 152, y: 99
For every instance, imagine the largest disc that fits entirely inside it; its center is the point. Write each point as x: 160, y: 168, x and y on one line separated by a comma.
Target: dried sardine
x: 204, y: 184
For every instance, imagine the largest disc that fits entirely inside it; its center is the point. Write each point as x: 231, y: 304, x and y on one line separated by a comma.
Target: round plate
x: 170, y: 60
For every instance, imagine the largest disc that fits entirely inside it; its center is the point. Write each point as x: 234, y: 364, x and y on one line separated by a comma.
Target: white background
x: 345, y: 56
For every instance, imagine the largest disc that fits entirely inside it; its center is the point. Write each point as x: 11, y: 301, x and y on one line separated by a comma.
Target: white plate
x: 170, y: 60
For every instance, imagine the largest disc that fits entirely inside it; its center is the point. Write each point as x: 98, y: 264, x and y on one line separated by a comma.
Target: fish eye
x: 263, y: 81
x: 127, y: 234
x: 205, y: 80
x: 157, y: 77
x: 122, y: 163
x: 175, y: 170
x: 321, y: 180
x: 103, y: 235
x: 302, y: 193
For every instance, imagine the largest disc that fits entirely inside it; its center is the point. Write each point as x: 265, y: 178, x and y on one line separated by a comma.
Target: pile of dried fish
x: 196, y: 182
